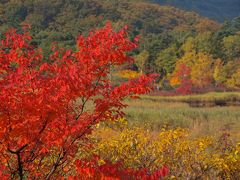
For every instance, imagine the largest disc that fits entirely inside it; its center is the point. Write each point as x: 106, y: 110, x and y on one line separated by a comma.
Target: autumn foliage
x: 181, y: 78
x: 187, y: 157
x: 47, y: 109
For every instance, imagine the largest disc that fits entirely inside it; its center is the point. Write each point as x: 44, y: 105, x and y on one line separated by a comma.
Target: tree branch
x: 56, y: 164
x: 20, y: 163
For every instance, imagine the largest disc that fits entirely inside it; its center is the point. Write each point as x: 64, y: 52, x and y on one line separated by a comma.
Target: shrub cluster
x: 186, y: 158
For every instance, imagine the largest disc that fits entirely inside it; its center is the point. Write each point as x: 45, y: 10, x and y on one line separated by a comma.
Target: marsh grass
x: 155, y: 113
x: 208, y: 97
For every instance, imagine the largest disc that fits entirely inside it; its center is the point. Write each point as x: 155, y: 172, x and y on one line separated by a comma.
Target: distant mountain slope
x: 63, y: 20
x: 215, y: 9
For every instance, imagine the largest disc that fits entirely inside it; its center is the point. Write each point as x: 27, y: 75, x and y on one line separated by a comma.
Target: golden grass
x: 212, y: 96
x: 155, y: 114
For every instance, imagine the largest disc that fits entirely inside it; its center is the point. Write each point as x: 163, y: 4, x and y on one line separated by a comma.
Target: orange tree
x: 47, y: 109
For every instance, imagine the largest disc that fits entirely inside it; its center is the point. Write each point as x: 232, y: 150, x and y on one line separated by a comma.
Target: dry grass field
x: 154, y: 112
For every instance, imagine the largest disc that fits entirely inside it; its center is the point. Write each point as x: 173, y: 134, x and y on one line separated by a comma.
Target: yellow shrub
x: 186, y: 158
x: 128, y: 74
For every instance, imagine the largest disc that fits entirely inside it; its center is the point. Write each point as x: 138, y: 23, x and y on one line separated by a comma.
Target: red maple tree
x: 47, y: 109
x: 185, y: 80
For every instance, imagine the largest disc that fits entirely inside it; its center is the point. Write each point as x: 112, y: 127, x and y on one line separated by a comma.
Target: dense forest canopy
x: 216, y: 9
x: 169, y: 37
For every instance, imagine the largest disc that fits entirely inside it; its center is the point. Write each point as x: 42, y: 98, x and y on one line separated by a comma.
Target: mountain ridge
x: 219, y: 10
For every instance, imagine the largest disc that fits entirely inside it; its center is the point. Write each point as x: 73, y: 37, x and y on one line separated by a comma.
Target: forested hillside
x: 172, y: 41
x: 64, y: 20
x: 215, y: 9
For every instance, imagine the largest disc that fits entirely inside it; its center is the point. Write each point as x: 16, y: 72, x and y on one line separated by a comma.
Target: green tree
x: 167, y: 58
x: 203, y: 42
x: 141, y: 59
x: 231, y: 46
